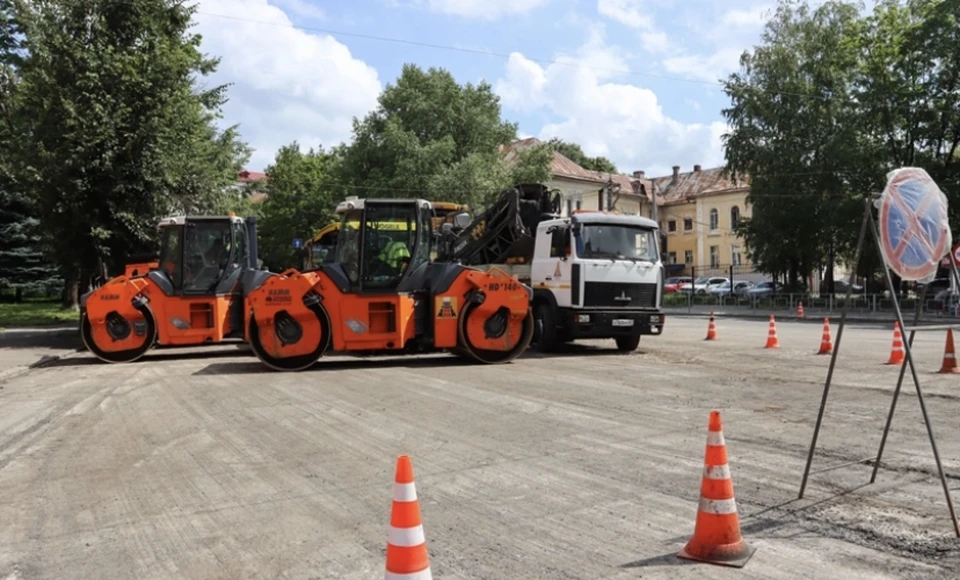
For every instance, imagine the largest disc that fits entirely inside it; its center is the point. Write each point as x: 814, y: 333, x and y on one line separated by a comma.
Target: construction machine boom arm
x: 505, y: 231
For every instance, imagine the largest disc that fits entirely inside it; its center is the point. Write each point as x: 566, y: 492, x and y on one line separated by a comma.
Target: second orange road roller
x: 383, y: 294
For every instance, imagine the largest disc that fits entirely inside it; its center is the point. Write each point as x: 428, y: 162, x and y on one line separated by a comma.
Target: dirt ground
x: 201, y: 464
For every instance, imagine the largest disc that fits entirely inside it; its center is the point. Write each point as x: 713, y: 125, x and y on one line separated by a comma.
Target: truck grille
x: 610, y: 294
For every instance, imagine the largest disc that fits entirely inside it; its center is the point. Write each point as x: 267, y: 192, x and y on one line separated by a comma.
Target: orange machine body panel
x: 139, y: 268
x: 188, y: 320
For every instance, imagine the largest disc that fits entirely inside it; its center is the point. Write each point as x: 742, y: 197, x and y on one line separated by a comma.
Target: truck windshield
x: 615, y: 241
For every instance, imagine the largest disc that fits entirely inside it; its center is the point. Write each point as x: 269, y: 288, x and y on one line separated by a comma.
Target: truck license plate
x: 623, y: 322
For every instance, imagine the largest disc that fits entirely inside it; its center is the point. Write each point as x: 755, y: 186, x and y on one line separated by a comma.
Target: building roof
x: 684, y: 187
x: 247, y: 176
x: 565, y: 168
x: 561, y: 165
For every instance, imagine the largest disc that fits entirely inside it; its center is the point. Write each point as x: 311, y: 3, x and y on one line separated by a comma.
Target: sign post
x: 913, y: 237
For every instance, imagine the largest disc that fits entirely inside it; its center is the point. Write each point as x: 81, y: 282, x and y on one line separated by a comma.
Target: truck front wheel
x: 628, y: 343
x: 545, y: 328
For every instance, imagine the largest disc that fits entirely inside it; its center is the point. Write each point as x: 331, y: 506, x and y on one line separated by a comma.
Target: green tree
x: 826, y: 106
x: 909, y: 87
x: 300, y: 199
x: 120, y: 133
x: 796, y: 132
x: 573, y: 152
x: 432, y: 137
x: 23, y: 265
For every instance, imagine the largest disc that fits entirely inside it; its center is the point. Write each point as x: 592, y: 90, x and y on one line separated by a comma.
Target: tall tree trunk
x: 70, y: 299
x: 828, y: 278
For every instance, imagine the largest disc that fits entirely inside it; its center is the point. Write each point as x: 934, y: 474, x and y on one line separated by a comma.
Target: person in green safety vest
x: 394, y: 254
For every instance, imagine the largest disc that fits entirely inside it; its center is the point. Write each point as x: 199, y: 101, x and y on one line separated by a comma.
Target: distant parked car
x: 672, y: 285
x: 715, y: 282
x: 840, y: 287
x: 741, y: 288
x: 702, y: 284
x: 725, y: 289
x: 763, y: 289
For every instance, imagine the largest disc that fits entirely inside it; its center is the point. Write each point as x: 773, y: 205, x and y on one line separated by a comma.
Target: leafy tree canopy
x: 573, y: 152
x: 431, y: 136
x: 300, y: 199
x: 120, y: 134
x: 825, y: 106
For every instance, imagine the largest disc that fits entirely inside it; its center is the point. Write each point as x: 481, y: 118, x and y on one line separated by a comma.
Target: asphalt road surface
x: 202, y: 464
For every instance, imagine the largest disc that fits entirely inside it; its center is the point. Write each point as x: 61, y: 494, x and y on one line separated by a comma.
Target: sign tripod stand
x: 869, y: 222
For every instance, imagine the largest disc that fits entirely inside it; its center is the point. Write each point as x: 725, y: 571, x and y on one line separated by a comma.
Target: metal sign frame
x: 869, y: 222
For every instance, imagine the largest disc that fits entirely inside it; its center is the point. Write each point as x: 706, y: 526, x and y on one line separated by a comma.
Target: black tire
x: 545, y: 328
x: 628, y: 343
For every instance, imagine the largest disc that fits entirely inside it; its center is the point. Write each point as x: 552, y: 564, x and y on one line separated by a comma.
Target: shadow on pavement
x: 157, y: 355
x: 65, y: 338
x: 403, y: 361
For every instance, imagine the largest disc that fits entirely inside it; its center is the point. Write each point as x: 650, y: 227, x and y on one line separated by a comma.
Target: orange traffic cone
x: 800, y: 309
x: 772, y: 340
x: 896, y: 351
x: 826, y: 346
x: 716, y: 535
x: 711, y: 329
x: 949, y: 356
x: 407, y: 557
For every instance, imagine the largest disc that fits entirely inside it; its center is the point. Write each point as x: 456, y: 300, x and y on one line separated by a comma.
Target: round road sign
x: 914, y: 231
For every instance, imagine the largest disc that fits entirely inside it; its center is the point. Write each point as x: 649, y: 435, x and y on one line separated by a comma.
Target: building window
x: 688, y: 224
x: 672, y: 257
x: 734, y: 216
x: 672, y: 225
x: 688, y: 257
x: 579, y: 204
x: 714, y: 220
x: 735, y: 257
x: 714, y: 256
x: 569, y: 206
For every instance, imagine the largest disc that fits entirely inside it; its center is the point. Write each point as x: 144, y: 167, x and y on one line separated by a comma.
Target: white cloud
x: 754, y: 17
x: 655, y: 41
x: 620, y: 121
x: 482, y: 9
x: 301, y: 8
x: 629, y: 12
x: 286, y: 81
x: 706, y: 67
x: 637, y: 14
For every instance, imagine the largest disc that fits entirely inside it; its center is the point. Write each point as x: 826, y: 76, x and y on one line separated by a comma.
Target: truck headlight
x: 583, y: 318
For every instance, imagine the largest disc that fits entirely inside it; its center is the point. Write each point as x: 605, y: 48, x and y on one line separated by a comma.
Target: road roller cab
x: 192, y: 296
x: 383, y: 294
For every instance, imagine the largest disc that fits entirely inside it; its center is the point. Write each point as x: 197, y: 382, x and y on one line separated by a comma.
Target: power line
x: 421, y: 44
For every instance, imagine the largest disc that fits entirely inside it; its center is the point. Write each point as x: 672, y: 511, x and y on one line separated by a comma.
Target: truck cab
x: 597, y: 275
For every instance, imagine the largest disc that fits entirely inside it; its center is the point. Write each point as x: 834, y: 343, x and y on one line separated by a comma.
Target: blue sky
x: 634, y: 80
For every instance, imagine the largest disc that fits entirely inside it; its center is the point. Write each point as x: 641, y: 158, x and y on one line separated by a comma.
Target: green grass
x: 34, y: 313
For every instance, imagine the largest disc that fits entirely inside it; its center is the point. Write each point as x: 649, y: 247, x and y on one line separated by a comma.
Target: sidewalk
x: 810, y: 314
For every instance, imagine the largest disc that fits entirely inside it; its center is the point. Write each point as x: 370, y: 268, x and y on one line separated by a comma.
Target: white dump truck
x: 594, y: 274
